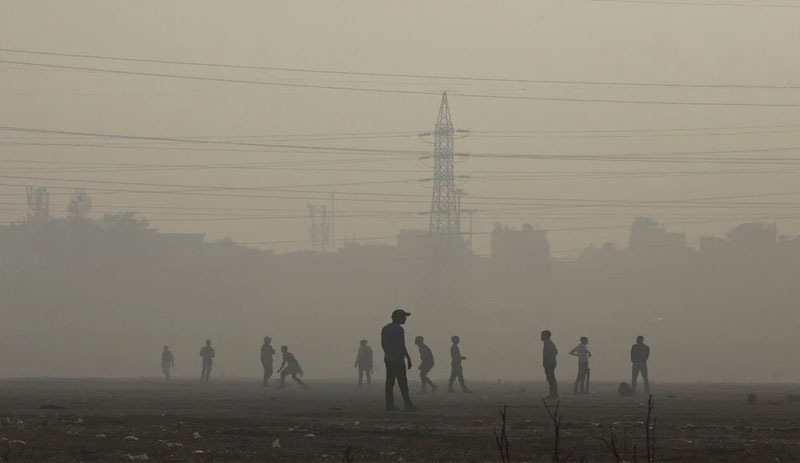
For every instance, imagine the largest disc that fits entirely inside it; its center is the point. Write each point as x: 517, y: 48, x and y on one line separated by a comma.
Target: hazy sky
x: 562, y: 40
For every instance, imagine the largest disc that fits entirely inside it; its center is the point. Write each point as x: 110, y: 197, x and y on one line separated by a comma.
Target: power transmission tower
x: 80, y: 205
x: 38, y: 204
x: 319, y: 229
x: 444, y: 227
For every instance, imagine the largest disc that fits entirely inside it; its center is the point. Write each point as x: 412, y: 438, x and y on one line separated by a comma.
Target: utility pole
x: 444, y: 228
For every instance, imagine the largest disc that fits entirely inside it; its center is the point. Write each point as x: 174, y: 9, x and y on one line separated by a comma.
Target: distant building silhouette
x: 521, y: 249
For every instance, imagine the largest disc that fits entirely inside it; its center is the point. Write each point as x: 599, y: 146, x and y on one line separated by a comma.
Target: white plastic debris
x: 174, y: 445
x: 309, y: 435
x: 142, y: 457
x: 196, y: 435
x: 198, y: 452
x: 17, y: 442
x: 130, y: 438
x: 100, y: 436
x: 276, y: 444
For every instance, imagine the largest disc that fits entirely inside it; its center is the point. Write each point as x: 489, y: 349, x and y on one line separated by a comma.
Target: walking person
x: 266, y: 359
x: 393, y: 342
x: 582, y: 352
x: 290, y: 366
x: 167, y: 361
x: 549, y: 353
x: 456, y: 370
x: 364, y: 363
x: 207, y: 353
x: 640, y: 353
x: 425, y: 365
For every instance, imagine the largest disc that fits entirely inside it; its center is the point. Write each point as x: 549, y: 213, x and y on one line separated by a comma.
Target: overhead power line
x: 405, y: 75
x: 409, y: 92
x: 666, y: 157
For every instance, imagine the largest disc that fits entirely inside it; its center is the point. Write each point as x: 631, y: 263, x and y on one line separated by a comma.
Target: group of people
x: 364, y: 363
x: 640, y: 353
x: 289, y: 364
x: 397, y: 361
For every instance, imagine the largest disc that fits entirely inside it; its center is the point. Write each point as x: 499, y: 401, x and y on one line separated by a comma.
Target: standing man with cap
x: 267, y: 351
x: 393, y: 341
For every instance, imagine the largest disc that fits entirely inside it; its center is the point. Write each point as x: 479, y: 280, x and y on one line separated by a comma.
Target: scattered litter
x: 100, y: 436
x: 142, y: 457
x: 196, y: 435
x: 198, y: 451
x: 17, y: 442
x: 595, y: 425
x: 130, y: 438
x: 276, y: 444
x: 79, y: 421
x: 174, y: 445
x: 51, y: 407
x: 309, y: 435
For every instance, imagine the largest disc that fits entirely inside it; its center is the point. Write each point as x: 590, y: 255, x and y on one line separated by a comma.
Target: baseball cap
x: 398, y: 312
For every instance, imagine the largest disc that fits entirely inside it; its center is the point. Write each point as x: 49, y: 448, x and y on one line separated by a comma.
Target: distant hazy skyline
x: 562, y: 40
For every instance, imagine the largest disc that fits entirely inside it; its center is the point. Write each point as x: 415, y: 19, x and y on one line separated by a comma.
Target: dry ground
x: 240, y: 420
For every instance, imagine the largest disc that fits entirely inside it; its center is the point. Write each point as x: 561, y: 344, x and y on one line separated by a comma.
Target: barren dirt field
x: 242, y: 421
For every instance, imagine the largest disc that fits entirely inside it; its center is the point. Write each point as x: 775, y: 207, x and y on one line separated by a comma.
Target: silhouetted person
x: 290, y: 366
x: 364, y: 363
x: 393, y: 341
x: 582, y: 352
x: 549, y: 353
x: 167, y: 361
x: 456, y: 371
x: 266, y: 359
x: 425, y: 364
x: 207, y: 353
x: 640, y: 352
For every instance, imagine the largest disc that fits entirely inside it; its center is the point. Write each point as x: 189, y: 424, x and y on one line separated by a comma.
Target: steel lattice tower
x: 444, y: 224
